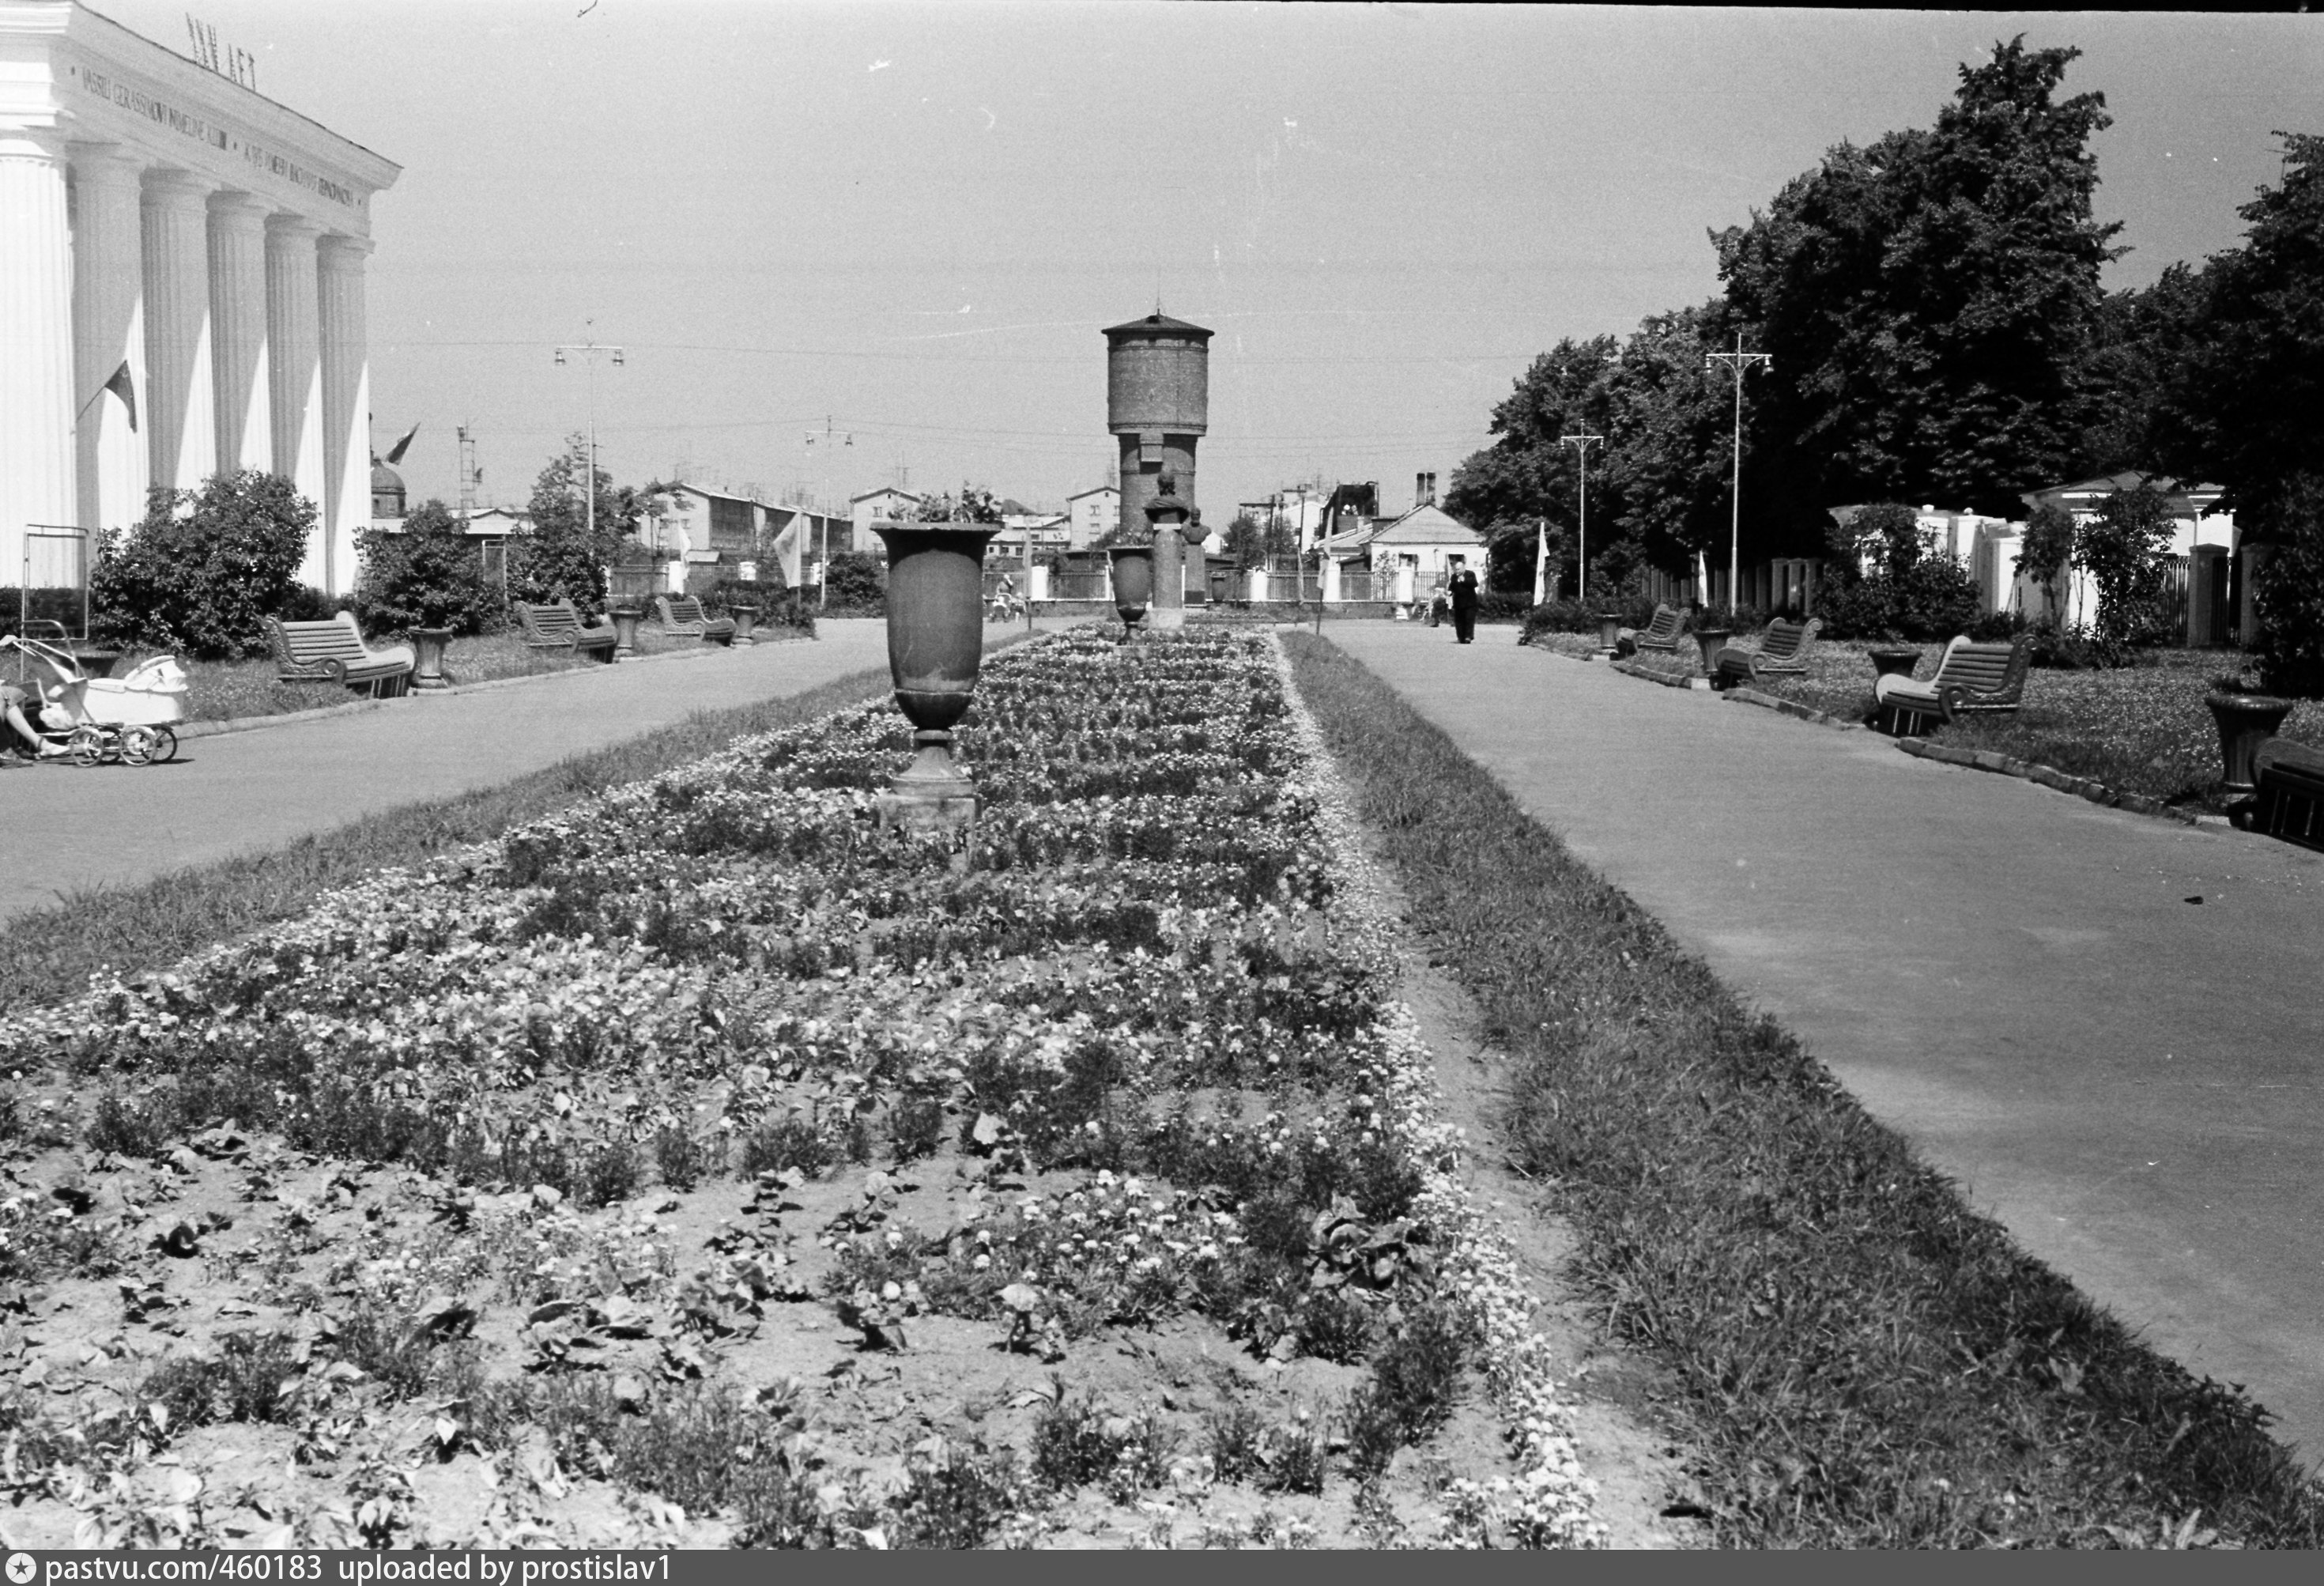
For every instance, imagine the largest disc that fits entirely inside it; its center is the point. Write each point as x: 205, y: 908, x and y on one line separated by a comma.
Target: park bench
x: 1781, y: 653
x: 2291, y: 782
x: 683, y: 613
x: 557, y: 625
x: 1972, y: 678
x: 334, y: 652
x: 1662, y: 633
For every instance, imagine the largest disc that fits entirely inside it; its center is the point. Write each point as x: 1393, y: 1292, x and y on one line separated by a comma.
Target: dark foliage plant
x: 427, y: 574
x: 202, y: 571
x: 2291, y: 589
x: 858, y: 584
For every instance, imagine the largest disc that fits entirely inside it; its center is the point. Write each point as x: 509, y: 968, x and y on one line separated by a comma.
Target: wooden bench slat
x: 333, y: 652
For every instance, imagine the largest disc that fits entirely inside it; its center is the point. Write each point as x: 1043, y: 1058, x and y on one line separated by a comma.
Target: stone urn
x: 746, y: 617
x: 1711, y: 641
x: 427, y: 657
x: 1133, y: 585
x: 626, y: 619
x: 935, y: 641
x: 1609, y: 631
x: 1892, y: 660
x: 2245, y: 722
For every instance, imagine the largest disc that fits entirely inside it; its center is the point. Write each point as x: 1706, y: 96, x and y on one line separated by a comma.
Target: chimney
x: 1423, y: 490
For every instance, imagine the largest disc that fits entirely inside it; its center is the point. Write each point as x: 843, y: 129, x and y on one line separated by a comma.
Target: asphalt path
x: 67, y: 829
x: 2014, y: 978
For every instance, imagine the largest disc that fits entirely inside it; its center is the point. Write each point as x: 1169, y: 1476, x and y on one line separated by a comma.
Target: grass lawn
x: 1863, y: 1358
x: 225, y: 690
x: 2141, y: 729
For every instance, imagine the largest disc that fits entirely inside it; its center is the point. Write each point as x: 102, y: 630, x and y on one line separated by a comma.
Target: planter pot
x: 626, y: 629
x: 935, y: 641
x: 1893, y: 658
x: 746, y: 617
x: 2245, y: 722
x: 1610, y: 630
x: 1711, y: 641
x: 1133, y: 585
x: 427, y: 657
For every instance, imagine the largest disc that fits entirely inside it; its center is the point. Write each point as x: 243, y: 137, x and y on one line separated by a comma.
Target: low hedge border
x: 2097, y: 792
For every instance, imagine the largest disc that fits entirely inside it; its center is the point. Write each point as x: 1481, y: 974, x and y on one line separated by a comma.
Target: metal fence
x: 1081, y: 586
x: 1366, y: 585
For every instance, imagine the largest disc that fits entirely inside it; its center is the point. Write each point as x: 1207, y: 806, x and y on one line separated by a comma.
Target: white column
x: 36, y: 351
x: 181, y: 442
x: 291, y: 334
x: 108, y: 330
x: 245, y: 420
x: 347, y: 407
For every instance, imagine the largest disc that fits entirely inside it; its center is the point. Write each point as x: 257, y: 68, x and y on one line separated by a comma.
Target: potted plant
x: 936, y: 643
x: 1133, y: 585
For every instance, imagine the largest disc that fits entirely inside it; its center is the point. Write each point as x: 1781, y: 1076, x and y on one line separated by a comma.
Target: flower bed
x: 440, y: 1182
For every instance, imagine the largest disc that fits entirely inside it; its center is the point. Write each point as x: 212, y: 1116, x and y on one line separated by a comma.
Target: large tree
x: 563, y: 555
x: 1658, y: 480
x: 2248, y: 408
x: 1929, y: 302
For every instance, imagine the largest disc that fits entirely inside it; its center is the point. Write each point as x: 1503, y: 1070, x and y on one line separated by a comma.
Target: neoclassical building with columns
x: 157, y: 214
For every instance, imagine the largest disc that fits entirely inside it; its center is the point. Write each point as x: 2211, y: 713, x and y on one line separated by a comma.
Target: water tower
x: 1157, y: 401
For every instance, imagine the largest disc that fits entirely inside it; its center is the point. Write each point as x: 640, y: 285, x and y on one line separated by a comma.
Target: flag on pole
x: 395, y: 452
x: 1541, y: 565
x: 124, y: 386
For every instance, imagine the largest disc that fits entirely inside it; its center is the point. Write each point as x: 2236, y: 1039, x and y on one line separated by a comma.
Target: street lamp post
x: 1581, y: 445
x: 1742, y: 363
x: 828, y: 437
x: 588, y: 351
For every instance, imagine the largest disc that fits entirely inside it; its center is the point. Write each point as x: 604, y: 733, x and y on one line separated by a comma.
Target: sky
x: 899, y: 228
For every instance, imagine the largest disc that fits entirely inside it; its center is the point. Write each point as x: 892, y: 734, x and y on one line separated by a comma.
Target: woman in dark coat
x: 1465, y: 605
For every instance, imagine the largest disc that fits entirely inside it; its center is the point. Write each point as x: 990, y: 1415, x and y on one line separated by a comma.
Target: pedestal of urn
x: 1133, y: 585
x: 626, y: 629
x: 936, y: 643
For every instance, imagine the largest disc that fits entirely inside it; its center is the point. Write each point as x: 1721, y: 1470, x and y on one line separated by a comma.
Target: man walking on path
x: 1465, y: 605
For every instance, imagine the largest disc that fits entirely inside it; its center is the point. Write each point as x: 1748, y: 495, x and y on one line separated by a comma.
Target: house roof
x: 2181, y: 495
x: 705, y: 490
x: 1096, y: 490
x: 885, y: 489
x: 1425, y: 525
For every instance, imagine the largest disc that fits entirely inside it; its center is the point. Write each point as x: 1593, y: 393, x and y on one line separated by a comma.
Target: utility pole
x: 830, y: 438
x: 1581, y: 445
x: 1742, y: 363
x: 589, y: 350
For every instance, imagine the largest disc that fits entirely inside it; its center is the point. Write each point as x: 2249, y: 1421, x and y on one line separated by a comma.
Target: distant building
x: 1428, y: 539
x: 888, y: 502
x: 710, y: 535
x: 1092, y: 515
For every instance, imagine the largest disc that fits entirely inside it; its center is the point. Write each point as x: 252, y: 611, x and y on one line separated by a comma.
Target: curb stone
x: 2097, y: 792
x: 212, y: 728
x: 1792, y: 708
x: 1667, y: 679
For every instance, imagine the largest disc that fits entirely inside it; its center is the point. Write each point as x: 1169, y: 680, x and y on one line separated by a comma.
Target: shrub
x: 2123, y: 550
x: 427, y: 575
x: 205, y: 569
x: 1909, y: 592
x: 2290, y: 591
x: 858, y: 584
x: 2047, y: 548
x: 779, y: 605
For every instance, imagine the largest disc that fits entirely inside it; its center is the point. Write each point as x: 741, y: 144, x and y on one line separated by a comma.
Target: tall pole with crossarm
x: 1742, y: 364
x: 590, y: 350
x: 1581, y: 445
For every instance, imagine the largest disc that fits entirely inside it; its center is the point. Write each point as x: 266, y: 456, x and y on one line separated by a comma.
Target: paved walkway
x: 68, y: 828
x: 2133, y: 1083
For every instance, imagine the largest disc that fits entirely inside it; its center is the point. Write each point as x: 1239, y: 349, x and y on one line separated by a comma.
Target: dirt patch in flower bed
x: 704, y: 1165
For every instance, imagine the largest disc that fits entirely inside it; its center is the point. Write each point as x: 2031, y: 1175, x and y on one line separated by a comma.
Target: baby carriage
x: 96, y: 720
